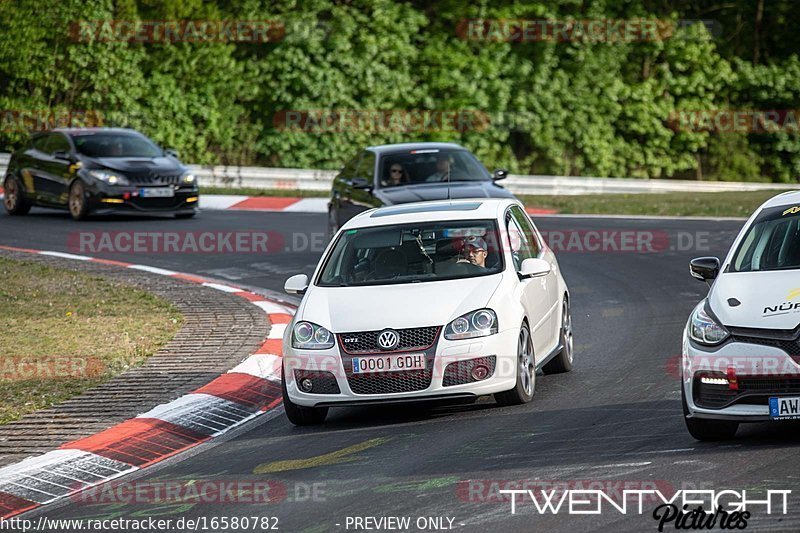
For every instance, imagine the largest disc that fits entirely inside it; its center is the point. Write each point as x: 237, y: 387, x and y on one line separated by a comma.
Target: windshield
x: 430, y: 166
x: 772, y: 242
x: 115, y: 145
x: 411, y: 253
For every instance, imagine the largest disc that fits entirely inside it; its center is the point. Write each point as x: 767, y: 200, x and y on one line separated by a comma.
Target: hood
x: 769, y: 300
x: 433, y: 303
x: 159, y: 165
x: 423, y: 192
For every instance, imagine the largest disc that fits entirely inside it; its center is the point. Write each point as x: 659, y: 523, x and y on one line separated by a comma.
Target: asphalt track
x: 616, y: 418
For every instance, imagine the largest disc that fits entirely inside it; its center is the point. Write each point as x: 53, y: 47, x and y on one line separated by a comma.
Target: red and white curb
x: 246, y: 391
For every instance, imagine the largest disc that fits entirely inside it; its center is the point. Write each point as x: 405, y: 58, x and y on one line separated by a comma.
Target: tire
x: 185, y: 215
x: 704, y: 429
x: 562, y: 362
x: 300, y: 415
x: 78, y: 207
x: 14, y: 198
x: 526, y: 372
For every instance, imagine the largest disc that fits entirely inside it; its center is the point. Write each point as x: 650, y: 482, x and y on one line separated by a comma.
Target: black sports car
x: 400, y: 173
x: 98, y: 170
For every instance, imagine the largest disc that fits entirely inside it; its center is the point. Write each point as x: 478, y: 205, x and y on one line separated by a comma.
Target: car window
x: 413, y: 253
x: 58, y: 143
x: 350, y: 168
x: 772, y: 242
x: 366, y: 168
x: 431, y: 166
x: 40, y: 143
x: 524, y: 244
x: 114, y: 144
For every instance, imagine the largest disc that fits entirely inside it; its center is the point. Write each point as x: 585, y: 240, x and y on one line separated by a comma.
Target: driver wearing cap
x: 475, y: 251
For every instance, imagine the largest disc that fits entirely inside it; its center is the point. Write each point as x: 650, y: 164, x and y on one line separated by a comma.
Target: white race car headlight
x: 112, y: 178
x: 703, y: 329
x: 309, y: 336
x: 478, y: 323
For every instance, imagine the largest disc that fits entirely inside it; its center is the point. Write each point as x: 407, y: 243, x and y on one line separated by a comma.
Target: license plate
x: 157, y: 192
x: 784, y: 408
x: 388, y: 363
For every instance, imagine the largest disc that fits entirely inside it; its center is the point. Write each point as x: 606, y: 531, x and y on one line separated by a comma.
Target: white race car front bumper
x: 503, y: 346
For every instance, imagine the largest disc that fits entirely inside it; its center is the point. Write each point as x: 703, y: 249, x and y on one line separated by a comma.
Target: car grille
x: 411, y: 339
x: 786, y: 340
x: 324, y: 382
x: 417, y: 340
x: 460, y: 372
x: 753, y: 390
x: 390, y: 382
x: 148, y: 178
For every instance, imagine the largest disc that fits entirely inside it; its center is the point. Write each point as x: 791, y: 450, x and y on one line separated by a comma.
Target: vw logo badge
x: 388, y: 339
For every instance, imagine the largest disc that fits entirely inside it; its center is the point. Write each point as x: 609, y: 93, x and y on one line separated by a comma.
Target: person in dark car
x: 397, y: 176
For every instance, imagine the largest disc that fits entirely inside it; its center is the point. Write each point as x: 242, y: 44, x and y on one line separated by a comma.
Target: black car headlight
x: 188, y: 178
x: 703, y: 329
x: 112, y: 178
x: 478, y: 323
x: 309, y: 336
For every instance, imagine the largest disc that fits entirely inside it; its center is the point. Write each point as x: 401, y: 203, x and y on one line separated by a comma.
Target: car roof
x: 407, y: 147
x: 789, y: 197
x: 432, y: 211
x: 73, y: 131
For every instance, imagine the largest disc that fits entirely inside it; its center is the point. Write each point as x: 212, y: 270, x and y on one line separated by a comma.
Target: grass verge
x: 65, y: 331
x: 712, y: 204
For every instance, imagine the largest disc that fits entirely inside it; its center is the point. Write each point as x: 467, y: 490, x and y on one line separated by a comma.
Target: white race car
x: 741, y: 346
x: 425, y: 301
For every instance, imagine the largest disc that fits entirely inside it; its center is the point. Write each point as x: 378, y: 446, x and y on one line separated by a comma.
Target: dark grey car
x: 401, y: 173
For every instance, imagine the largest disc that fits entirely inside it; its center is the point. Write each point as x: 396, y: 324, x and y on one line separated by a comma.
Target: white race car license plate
x: 157, y: 192
x: 784, y: 408
x: 388, y: 363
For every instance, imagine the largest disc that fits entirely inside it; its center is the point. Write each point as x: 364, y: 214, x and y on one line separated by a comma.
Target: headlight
x: 478, y: 323
x: 308, y: 336
x: 703, y: 329
x: 188, y: 178
x: 112, y: 178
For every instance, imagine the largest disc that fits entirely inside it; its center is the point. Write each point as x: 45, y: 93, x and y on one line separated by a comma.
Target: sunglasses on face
x: 397, y: 170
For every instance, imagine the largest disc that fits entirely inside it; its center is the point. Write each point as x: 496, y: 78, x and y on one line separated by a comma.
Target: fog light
x: 480, y: 372
x: 306, y: 384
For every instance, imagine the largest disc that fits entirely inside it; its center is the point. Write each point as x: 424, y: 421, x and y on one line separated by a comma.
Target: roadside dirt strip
x: 222, y: 369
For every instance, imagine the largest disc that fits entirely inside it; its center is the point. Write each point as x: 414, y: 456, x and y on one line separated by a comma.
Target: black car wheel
x: 78, y: 207
x: 14, y: 200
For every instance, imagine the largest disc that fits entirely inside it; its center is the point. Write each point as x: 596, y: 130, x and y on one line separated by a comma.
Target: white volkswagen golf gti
x: 425, y: 301
x: 741, y: 346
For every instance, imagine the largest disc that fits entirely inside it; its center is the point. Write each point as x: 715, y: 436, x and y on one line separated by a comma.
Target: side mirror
x: 360, y: 183
x: 171, y: 152
x: 533, y: 267
x: 296, y: 284
x: 500, y: 174
x: 64, y: 156
x: 704, y: 268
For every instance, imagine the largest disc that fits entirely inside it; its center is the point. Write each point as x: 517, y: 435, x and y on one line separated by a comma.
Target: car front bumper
x: 502, y: 346
x: 741, y: 377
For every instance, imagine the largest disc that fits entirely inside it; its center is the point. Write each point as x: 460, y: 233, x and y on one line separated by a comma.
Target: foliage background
x: 571, y: 108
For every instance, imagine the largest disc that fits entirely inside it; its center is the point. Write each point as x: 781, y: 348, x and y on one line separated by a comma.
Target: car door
x: 534, y: 294
x: 362, y: 195
x: 32, y: 168
x: 551, y: 279
x: 56, y: 170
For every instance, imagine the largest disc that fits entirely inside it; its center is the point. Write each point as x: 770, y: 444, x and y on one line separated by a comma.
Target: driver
x: 475, y: 251
x: 442, y: 169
